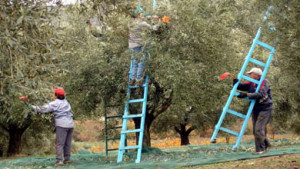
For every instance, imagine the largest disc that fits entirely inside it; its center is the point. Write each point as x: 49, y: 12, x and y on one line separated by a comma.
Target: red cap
x: 59, y: 92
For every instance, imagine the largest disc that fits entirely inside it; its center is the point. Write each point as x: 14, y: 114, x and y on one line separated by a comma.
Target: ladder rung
x: 131, y: 131
x: 271, y: 48
x: 133, y: 116
x: 133, y: 87
x: 237, y: 93
x: 129, y: 147
x: 250, y: 79
x: 236, y: 113
x: 111, y: 117
x: 136, y: 101
x: 113, y: 149
x: 115, y: 138
x: 257, y: 62
x: 229, y: 131
x: 118, y: 127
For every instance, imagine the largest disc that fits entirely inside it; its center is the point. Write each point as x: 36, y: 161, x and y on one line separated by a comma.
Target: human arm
x: 151, y: 27
x: 242, y: 86
x: 44, y: 109
x: 263, y: 92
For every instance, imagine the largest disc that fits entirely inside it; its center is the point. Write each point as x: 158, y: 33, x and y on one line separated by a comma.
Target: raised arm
x: 49, y: 108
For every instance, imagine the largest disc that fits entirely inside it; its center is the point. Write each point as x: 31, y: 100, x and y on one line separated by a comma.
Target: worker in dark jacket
x: 262, y: 110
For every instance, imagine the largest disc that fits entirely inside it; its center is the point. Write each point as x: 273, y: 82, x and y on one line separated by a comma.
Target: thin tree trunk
x: 184, y: 139
x: 1, y: 150
x: 146, y: 137
x: 14, y: 146
x: 184, y: 134
x: 15, y: 136
x: 11, y: 63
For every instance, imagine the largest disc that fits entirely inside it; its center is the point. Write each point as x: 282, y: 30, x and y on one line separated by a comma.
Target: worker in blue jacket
x: 262, y: 111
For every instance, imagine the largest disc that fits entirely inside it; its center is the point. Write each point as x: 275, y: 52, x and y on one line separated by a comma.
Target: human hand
x: 235, y: 81
x: 154, y: 17
x: 242, y: 95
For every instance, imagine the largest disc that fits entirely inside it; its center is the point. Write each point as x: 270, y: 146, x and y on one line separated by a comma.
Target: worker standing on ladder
x: 137, y: 31
x: 262, y: 110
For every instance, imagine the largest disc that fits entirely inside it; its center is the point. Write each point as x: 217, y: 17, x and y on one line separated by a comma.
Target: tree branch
x: 11, y: 63
x: 177, y: 130
x: 27, y: 123
x: 166, y: 104
x: 191, y: 129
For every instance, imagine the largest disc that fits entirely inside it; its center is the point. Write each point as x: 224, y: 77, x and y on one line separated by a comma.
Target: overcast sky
x: 65, y: 2
x: 68, y: 1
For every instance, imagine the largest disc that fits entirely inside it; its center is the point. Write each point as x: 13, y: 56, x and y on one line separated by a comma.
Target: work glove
x: 242, y: 95
x: 235, y: 81
x: 29, y: 105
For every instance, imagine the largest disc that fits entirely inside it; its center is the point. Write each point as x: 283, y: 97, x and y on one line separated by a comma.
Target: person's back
x: 62, y: 113
x: 64, y: 125
x: 137, y: 32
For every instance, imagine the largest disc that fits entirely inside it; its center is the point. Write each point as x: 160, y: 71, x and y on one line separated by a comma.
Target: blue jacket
x: 263, y: 97
x: 62, y: 112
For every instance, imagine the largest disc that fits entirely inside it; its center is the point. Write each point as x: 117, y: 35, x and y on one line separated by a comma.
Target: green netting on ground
x: 160, y: 158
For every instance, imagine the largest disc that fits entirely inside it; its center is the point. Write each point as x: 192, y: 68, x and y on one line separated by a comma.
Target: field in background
x: 88, y: 136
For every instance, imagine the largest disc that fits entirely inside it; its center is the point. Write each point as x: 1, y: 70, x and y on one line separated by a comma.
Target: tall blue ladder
x: 234, y: 92
x: 127, y: 116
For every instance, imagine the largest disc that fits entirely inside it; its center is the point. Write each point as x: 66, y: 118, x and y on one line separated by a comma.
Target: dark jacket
x: 263, y: 97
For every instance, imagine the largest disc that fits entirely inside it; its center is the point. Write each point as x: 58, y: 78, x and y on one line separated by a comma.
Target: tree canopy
x: 48, y: 46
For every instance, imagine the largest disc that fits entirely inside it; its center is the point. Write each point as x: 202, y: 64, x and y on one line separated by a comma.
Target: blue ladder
x: 127, y: 116
x: 235, y: 93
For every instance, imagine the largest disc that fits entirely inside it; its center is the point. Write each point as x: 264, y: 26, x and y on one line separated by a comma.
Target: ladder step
x: 111, y: 117
x: 229, y: 131
x: 271, y: 48
x: 133, y: 87
x: 129, y: 147
x: 236, y: 113
x: 113, y: 149
x: 118, y: 127
x: 131, y: 131
x: 136, y: 101
x: 115, y: 138
x: 237, y: 93
x: 257, y: 62
x: 133, y: 116
x: 250, y: 79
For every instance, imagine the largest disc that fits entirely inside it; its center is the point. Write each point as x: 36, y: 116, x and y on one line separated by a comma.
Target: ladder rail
x: 253, y: 101
x: 142, y: 125
x: 124, y: 125
x: 107, y: 138
x: 233, y: 91
x: 126, y: 116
